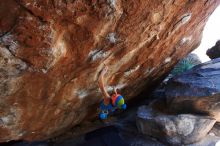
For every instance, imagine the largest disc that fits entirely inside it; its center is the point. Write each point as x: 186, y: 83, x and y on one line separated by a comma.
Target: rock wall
x: 196, y: 91
x: 51, y: 52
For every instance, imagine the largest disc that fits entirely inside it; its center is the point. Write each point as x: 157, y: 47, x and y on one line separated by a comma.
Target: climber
x: 109, y: 103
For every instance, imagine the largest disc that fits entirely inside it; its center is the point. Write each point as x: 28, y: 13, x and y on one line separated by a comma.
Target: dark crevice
x: 95, y: 53
x: 23, y: 60
x: 53, y: 3
x: 180, y: 21
x: 206, y: 2
x: 65, y: 1
x: 14, y: 26
x: 10, y: 30
x: 13, y: 53
x: 30, y: 12
x: 7, y: 32
x: 173, y: 52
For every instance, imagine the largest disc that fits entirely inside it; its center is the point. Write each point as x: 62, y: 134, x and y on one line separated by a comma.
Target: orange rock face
x: 51, y: 52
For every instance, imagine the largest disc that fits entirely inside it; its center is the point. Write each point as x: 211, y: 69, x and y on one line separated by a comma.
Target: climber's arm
x: 101, y: 82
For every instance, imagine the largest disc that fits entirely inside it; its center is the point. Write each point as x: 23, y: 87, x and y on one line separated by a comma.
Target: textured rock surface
x: 197, y: 90
x: 52, y: 51
x: 214, y: 52
x: 173, y: 129
x: 216, y: 129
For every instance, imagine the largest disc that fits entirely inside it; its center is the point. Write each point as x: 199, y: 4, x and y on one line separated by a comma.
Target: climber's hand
x: 104, y: 70
x: 115, y: 90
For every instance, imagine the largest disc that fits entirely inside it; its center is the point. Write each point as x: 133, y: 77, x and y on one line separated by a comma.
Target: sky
x: 211, y: 34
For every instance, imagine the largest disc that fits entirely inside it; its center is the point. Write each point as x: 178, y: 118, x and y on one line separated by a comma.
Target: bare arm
x: 101, y: 82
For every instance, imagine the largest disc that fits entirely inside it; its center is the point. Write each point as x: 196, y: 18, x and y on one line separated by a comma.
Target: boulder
x: 51, y: 53
x: 216, y: 129
x: 214, y: 52
x: 196, y: 91
x: 173, y: 129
